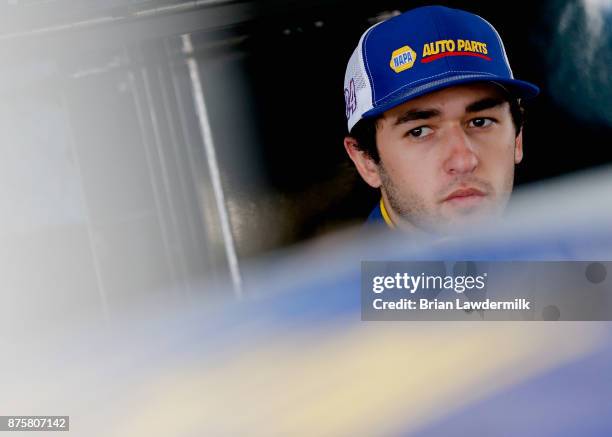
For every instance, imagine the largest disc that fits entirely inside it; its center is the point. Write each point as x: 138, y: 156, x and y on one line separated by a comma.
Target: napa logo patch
x: 402, y: 59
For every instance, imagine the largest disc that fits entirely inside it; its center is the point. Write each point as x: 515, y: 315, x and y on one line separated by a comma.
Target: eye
x: 420, y: 132
x: 481, y: 122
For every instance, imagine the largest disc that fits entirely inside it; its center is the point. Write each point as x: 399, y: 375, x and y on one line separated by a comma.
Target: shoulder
x: 375, y: 216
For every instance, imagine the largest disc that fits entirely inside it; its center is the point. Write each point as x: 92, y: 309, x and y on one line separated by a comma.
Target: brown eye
x: 420, y: 132
x: 481, y: 122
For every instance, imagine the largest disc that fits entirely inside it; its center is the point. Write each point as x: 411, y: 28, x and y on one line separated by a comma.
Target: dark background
x: 272, y: 73
x: 296, y: 71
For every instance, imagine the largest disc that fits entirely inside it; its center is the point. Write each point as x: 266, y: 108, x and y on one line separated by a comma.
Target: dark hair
x: 364, y: 132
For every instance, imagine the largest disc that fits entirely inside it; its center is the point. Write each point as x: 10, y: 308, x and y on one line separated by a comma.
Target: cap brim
x: 517, y: 88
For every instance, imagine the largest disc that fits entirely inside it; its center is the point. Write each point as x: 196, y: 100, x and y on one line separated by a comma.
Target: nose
x: 461, y: 158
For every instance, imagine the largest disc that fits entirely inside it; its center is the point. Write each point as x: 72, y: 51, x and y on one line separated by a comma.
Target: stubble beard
x: 413, y: 209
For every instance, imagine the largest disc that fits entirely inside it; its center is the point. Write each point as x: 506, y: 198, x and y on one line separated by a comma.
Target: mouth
x: 465, y: 196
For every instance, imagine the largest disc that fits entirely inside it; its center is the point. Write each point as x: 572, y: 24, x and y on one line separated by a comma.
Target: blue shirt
x: 380, y: 216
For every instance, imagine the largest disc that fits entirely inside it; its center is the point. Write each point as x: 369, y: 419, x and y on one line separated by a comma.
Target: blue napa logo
x: 402, y: 59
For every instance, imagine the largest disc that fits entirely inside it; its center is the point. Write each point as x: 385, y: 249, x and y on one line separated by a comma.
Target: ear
x: 518, y: 148
x: 365, y: 165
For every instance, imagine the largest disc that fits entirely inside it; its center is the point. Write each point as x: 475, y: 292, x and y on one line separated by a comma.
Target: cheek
x: 497, y: 163
x: 411, y: 172
x: 498, y: 145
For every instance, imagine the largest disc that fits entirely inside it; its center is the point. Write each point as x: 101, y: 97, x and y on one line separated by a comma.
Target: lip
x: 465, y: 194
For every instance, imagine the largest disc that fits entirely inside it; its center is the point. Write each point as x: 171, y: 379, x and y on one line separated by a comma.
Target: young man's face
x: 446, y: 158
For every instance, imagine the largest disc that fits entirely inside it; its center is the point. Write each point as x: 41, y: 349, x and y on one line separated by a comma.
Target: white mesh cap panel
x: 357, y: 89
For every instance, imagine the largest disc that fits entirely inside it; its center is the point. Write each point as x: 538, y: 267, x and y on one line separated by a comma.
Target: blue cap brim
x: 518, y: 88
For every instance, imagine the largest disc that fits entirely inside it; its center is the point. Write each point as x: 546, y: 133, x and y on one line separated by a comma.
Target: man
x: 434, y: 119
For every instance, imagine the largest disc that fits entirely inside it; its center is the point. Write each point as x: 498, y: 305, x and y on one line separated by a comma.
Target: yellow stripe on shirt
x: 385, y: 214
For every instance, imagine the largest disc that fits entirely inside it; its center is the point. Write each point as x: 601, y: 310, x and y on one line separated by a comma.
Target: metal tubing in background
x: 194, y: 162
x: 165, y: 181
x: 213, y: 166
x: 154, y: 183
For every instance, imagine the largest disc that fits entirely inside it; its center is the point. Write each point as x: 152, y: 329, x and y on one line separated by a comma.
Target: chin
x: 469, y: 218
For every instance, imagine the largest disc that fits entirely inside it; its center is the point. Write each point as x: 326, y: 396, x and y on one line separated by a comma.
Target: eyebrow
x: 424, y: 114
x: 416, y: 114
x: 486, y: 103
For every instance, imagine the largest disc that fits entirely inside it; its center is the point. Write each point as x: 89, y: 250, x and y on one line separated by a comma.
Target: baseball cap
x: 421, y: 51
